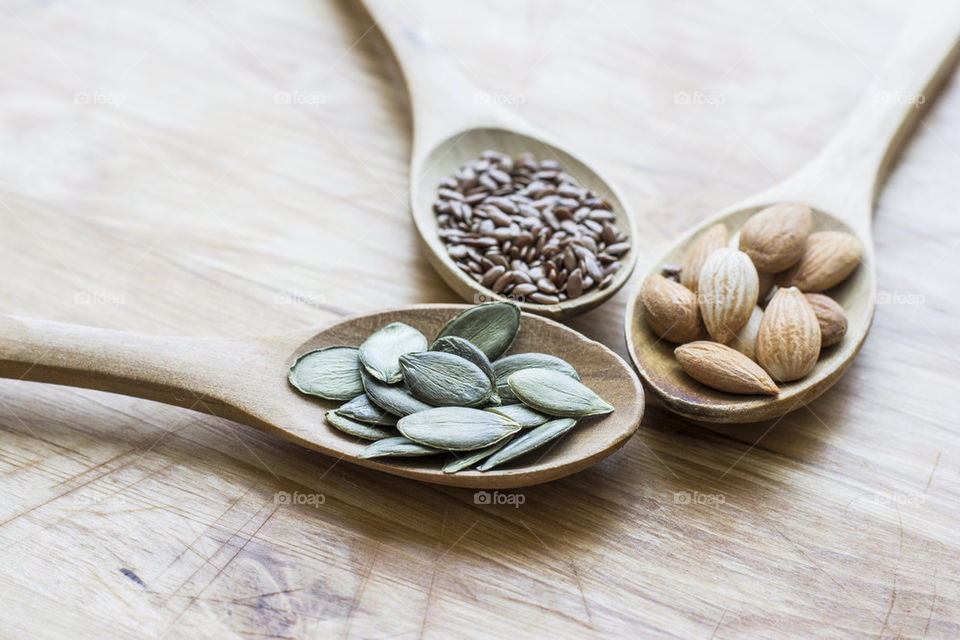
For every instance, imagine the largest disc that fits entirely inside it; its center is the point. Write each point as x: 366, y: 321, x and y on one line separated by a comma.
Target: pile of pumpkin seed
x: 461, y: 395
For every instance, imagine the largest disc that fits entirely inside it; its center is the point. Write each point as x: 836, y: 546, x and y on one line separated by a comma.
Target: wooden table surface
x: 203, y: 168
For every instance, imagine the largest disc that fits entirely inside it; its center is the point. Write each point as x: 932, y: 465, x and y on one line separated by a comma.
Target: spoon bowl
x: 245, y: 380
x: 682, y: 394
x: 839, y: 185
x: 455, y: 151
x: 454, y: 122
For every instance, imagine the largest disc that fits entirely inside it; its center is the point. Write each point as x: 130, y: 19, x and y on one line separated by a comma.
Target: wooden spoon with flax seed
x: 454, y: 123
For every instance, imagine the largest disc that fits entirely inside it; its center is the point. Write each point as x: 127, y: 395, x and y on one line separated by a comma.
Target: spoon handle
x: 846, y: 175
x: 185, y: 372
x: 443, y: 101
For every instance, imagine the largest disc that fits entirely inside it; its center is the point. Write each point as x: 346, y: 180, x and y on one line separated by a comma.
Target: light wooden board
x: 208, y: 168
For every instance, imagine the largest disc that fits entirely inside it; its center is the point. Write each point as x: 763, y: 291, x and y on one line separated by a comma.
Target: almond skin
x: 788, y: 342
x: 746, y: 339
x: 830, y: 315
x: 725, y: 369
x: 670, y: 309
x: 728, y: 290
x: 829, y: 258
x: 711, y: 239
x: 775, y: 237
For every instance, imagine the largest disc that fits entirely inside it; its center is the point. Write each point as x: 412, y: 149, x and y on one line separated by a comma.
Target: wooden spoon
x: 453, y: 123
x: 245, y: 380
x: 839, y: 184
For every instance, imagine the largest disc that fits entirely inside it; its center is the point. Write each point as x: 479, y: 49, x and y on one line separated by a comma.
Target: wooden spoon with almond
x: 839, y: 185
x: 245, y: 380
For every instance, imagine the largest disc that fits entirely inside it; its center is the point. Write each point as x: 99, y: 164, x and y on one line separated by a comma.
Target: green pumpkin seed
x: 380, y: 353
x: 529, y: 441
x: 359, y: 429
x: 466, y: 350
x: 457, y: 428
x: 445, y: 380
x: 556, y: 394
x: 470, y: 458
x: 362, y: 409
x: 332, y: 373
x: 507, y: 366
x: 522, y: 414
x: 397, y: 446
x: 491, y: 327
x: 394, y: 399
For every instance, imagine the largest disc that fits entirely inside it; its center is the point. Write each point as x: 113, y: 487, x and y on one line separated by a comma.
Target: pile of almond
x: 715, y: 294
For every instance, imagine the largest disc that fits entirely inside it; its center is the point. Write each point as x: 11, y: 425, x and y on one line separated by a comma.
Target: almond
x: 713, y: 238
x: 720, y: 367
x: 830, y: 257
x: 746, y: 339
x: 767, y: 282
x: 728, y: 290
x: 670, y: 309
x: 830, y: 315
x: 775, y: 237
x: 788, y: 342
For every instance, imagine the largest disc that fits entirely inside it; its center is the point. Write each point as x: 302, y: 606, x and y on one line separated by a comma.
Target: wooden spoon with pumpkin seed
x: 245, y: 380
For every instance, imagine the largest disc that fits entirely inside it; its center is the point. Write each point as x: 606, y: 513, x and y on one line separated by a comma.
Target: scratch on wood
x: 893, y: 598
x: 364, y: 579
x: 95, y: 467
x: 109, y: 587
x: 34, y: 435
x: 933, y: 604
x: 208, y: 560
x: 900, y: 528
x: 220, y: 571
x: 583, y: 597
x: 933, y: 471
x: 457, y: 541
x: 426, y: 608
x: 74, y: 513
x: 817, y: 566
x: 576, y: 573
x: 717, y: 626
x: 189, y: 546
x: 67, y: 492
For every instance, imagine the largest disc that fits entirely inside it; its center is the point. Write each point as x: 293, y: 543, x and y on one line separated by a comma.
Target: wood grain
x: 204, y: 204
